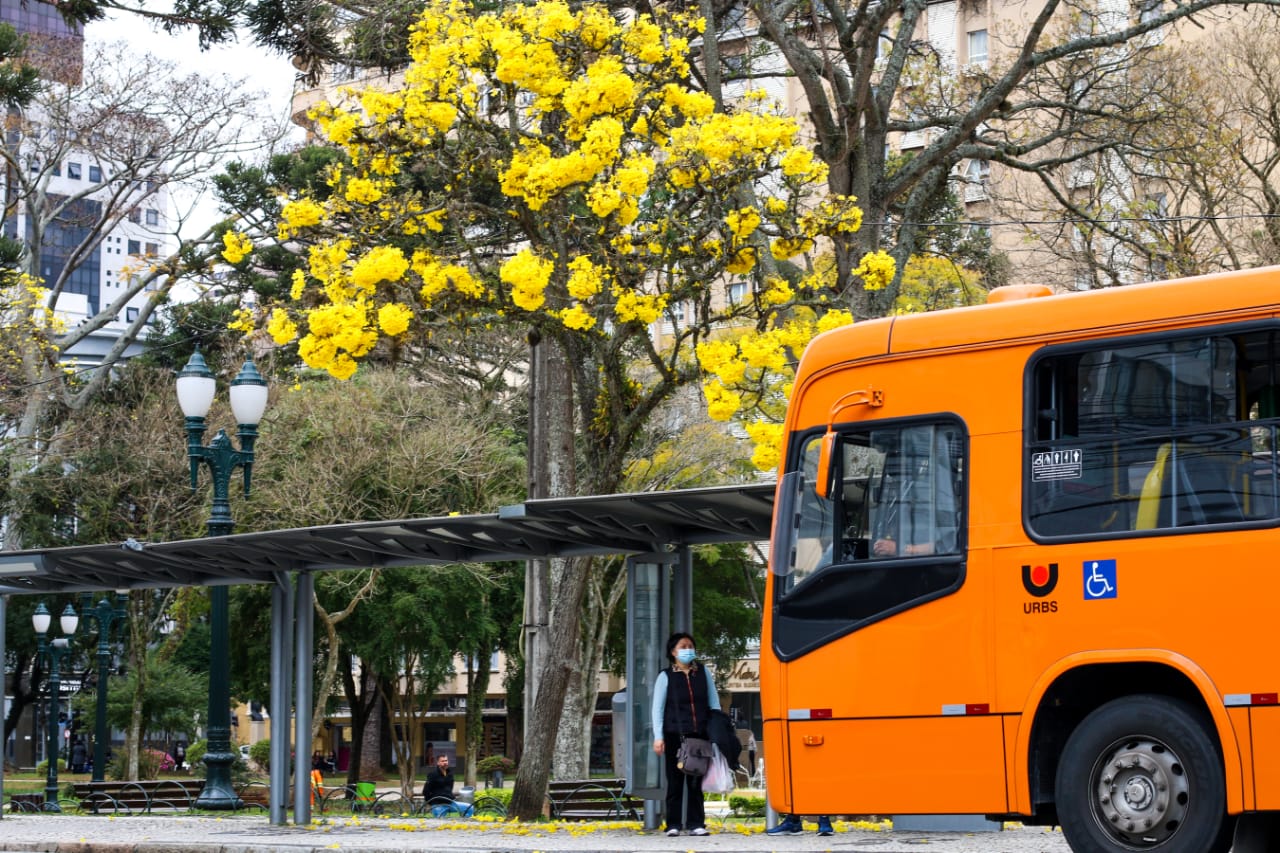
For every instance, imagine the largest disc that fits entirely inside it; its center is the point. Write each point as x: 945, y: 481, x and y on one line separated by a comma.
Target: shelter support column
x: 648, y: 604
x: 281, y: 675
x: 305, y: 634
x: 4, y: 743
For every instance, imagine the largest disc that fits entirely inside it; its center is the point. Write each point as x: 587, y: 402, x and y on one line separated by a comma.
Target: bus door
x: 881, y: 642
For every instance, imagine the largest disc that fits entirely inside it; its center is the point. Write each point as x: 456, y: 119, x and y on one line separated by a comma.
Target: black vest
x: 687, y: 709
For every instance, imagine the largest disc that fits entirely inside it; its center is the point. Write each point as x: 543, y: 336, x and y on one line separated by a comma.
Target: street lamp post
x: 55, y: 651
x: 248, y: 401
x: 103, y: 614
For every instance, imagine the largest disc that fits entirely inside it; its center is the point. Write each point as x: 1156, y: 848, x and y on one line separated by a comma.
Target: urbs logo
x: 1040, y: 581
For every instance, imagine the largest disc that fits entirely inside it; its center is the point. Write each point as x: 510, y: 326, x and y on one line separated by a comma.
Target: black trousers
x: 677, y: 785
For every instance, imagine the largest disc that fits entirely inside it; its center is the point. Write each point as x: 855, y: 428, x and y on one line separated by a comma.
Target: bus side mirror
x: 869, y: 396
x: 822, y: 482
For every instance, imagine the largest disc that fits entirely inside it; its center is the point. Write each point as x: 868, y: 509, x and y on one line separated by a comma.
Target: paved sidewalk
x: 254, y: 834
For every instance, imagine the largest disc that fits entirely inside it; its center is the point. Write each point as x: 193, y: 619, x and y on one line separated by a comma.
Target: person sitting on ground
x: 437, y: 793
x: 792, y: 825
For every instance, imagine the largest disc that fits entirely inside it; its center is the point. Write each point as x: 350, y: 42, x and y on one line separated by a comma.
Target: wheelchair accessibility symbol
x: 1099, y: 579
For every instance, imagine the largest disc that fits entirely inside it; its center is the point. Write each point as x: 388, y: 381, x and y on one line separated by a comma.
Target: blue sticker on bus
x: 1099, y: 579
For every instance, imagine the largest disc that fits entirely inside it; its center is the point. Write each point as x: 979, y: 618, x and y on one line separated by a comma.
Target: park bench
x: 138, y: 796
x: 26, y: 802
x: 593, y: 799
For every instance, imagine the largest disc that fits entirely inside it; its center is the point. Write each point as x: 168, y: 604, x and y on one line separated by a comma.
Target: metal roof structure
x: 554, y: 527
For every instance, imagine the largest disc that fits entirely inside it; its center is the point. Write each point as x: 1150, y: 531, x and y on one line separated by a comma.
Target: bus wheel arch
x: 1142, y: 772
x: 1077, y: 691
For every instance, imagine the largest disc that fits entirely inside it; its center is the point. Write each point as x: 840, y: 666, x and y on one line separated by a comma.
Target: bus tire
x: 1141, y: 773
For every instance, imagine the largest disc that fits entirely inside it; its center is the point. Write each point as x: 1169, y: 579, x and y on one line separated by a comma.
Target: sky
x: 267, y: 72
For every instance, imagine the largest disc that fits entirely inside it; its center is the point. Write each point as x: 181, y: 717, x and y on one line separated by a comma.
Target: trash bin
x: 366, y: 793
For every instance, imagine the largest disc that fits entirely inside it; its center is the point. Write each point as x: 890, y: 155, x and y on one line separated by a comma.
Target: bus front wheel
x: 1141, y: 773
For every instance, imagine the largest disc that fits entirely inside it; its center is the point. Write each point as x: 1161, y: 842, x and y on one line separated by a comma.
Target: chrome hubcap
x: 1141, y: 793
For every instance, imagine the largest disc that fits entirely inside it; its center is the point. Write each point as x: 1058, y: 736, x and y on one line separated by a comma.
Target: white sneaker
x: 672, y: 832
x: 702, y: 830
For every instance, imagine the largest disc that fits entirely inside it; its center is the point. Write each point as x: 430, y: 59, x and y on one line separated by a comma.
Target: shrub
x: 195, y: 755
x: 260, y: 752
x: 153, y: 762
x: 746, y: 806
x: 503, y: 795
x: 490, y: 763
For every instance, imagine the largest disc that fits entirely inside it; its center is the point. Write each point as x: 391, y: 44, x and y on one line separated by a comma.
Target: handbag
x: 694, y: 756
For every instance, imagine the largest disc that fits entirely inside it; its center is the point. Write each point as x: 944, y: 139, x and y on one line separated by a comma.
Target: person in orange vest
x: 317, y: 785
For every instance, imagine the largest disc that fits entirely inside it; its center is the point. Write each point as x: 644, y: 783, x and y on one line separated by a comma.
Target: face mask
x: 686, y: 656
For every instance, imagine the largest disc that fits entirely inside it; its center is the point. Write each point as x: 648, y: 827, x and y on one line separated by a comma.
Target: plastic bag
x: 719, y: 778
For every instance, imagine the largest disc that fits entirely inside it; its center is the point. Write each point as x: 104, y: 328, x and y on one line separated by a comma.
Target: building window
x: 57, y: 169
x: 153, y: 249
x: 153, y: 216
x: 135, y: 247
x: 95, y: 174
x: 130, y: 314
x: 73, y: 171
x: 737, y: 293
x: 978, y: 47
x: 975, y: 180
x: 135, y: 215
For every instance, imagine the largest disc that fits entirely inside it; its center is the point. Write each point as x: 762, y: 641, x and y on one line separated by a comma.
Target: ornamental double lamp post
x: 196, y: 388
x: 104, y: 614
x: 55, y: 651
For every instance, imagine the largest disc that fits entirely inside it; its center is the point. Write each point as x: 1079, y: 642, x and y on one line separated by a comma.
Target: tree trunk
x: 20, y: 697
x: 477, y: 689
x: 138, y: 623
x: 562, y: 663
x: 371, y: 746
x: 551, y: 412
x: 362, y: 700
x: 571, y: 746
x: 333, y: 645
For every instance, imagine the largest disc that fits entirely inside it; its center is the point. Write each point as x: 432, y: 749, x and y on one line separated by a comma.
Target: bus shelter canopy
x: 552, y: 527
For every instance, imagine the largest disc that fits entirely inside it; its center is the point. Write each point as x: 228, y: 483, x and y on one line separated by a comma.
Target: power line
x: 1150, y: 220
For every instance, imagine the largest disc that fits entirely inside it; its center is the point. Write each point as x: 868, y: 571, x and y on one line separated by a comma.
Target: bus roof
x: 1084, y: 314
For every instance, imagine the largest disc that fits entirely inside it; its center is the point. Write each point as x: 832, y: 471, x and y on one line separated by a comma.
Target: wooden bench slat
x: 592, y: 799
x: 139, y: 794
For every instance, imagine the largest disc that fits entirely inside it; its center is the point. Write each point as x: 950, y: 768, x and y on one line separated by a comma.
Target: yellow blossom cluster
x: 752, y: 372
x: 28, y: 324
x: 527, y: 275
x: 236, y: 247
x: 876, y: 270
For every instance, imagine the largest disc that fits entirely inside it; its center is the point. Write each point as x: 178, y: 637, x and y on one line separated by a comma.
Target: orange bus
x: 1022, y: 566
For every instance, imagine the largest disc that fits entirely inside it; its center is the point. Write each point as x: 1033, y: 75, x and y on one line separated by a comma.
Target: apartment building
x: 1112, y: 210
x: 60, y: 187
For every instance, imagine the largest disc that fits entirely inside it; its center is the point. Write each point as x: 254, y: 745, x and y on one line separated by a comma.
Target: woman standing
x: 683, y: 696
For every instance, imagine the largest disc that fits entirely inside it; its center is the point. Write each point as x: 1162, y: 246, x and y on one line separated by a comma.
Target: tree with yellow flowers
x: 550, y: 170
